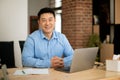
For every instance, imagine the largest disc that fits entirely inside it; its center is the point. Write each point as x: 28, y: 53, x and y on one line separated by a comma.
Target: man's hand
x: 57, y: 62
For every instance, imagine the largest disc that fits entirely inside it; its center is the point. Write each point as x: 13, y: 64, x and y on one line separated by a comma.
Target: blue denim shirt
x: 38, y: 50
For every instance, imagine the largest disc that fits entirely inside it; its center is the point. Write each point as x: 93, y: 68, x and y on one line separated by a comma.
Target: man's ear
x: 55, y: 19
x: 38, y: 21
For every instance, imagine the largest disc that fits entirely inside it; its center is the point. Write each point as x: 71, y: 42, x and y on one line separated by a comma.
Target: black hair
x: 46, y: 10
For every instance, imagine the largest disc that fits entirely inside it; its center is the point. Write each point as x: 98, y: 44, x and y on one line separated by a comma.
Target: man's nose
x: 47, y: 22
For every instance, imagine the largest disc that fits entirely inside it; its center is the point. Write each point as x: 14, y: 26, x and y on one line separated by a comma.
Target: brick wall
x: 77, y: 21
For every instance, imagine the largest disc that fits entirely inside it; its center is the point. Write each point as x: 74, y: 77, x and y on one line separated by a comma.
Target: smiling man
x: 45, y: 47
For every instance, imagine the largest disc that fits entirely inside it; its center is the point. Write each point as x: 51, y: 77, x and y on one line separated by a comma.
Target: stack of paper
x: 31, y: 71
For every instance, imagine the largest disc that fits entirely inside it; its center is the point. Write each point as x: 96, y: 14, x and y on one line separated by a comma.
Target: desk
x: 91, y: 74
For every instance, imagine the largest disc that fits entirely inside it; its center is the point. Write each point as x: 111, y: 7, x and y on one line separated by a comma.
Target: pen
x: 23, y: 72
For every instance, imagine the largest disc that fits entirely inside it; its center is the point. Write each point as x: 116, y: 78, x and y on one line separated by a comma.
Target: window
x: 56, y: 4
x: 58, y: 22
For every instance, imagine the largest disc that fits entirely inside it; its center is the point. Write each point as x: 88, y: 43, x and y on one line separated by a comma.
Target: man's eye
x: 43, y: 20
x: 50, y: 19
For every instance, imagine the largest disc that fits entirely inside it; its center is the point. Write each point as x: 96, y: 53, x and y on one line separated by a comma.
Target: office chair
x: 7, y: 53
x: 21, y: 43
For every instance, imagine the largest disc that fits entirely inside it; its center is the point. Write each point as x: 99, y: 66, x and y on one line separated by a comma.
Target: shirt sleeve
x: 28, y: 58
x: 68, y: 52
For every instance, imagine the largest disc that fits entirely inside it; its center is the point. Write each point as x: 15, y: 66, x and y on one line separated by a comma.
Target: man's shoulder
x: 35, y: 32
x: 58, y: 34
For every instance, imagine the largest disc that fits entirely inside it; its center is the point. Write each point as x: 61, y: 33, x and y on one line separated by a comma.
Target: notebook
x: 83, y: 59
x: 4, y: 72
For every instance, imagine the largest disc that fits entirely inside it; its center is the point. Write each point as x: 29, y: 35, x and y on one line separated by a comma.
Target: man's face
x: 47, y: 22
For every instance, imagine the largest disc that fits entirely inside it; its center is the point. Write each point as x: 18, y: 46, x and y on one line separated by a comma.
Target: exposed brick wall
x: 77, y: 21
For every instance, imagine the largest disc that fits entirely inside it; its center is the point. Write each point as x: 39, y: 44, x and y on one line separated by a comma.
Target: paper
x: 19, y: 72
x: 31, y: 71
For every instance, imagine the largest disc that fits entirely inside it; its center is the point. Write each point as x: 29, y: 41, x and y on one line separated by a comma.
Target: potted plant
x: 94, y: 41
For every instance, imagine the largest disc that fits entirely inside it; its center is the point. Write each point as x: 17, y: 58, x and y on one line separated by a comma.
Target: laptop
x: 83, y: 59
x: 4, y: 72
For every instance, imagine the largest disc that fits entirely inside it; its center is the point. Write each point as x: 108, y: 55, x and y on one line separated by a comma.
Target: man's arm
x: 68, y: 52
x: 28, y: 54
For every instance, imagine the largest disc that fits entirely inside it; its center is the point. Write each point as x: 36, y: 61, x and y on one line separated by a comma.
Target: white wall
x: 14, y: 17
x: 35, y: 5
x: 13, y: 20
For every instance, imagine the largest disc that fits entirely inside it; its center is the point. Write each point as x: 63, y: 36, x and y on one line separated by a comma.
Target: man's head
x: 46, y: 20
x: 45, y: 10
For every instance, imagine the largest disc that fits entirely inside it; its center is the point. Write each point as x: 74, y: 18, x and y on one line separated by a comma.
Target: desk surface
x: 91, y: 74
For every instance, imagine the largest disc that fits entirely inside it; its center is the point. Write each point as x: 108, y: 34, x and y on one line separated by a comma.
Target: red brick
x: 77, y: 21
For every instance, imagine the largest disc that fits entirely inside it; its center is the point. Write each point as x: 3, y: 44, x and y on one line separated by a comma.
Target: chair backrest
x: 21, y: 45
x: 7, y: 53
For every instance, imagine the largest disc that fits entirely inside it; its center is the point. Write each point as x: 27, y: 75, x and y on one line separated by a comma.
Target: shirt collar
x: 54, y: 36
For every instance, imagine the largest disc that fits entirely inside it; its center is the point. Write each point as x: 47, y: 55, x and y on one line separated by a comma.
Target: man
x: 45, y: 47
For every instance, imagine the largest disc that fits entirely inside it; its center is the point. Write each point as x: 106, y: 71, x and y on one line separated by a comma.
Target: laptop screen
x: 83, y: 59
